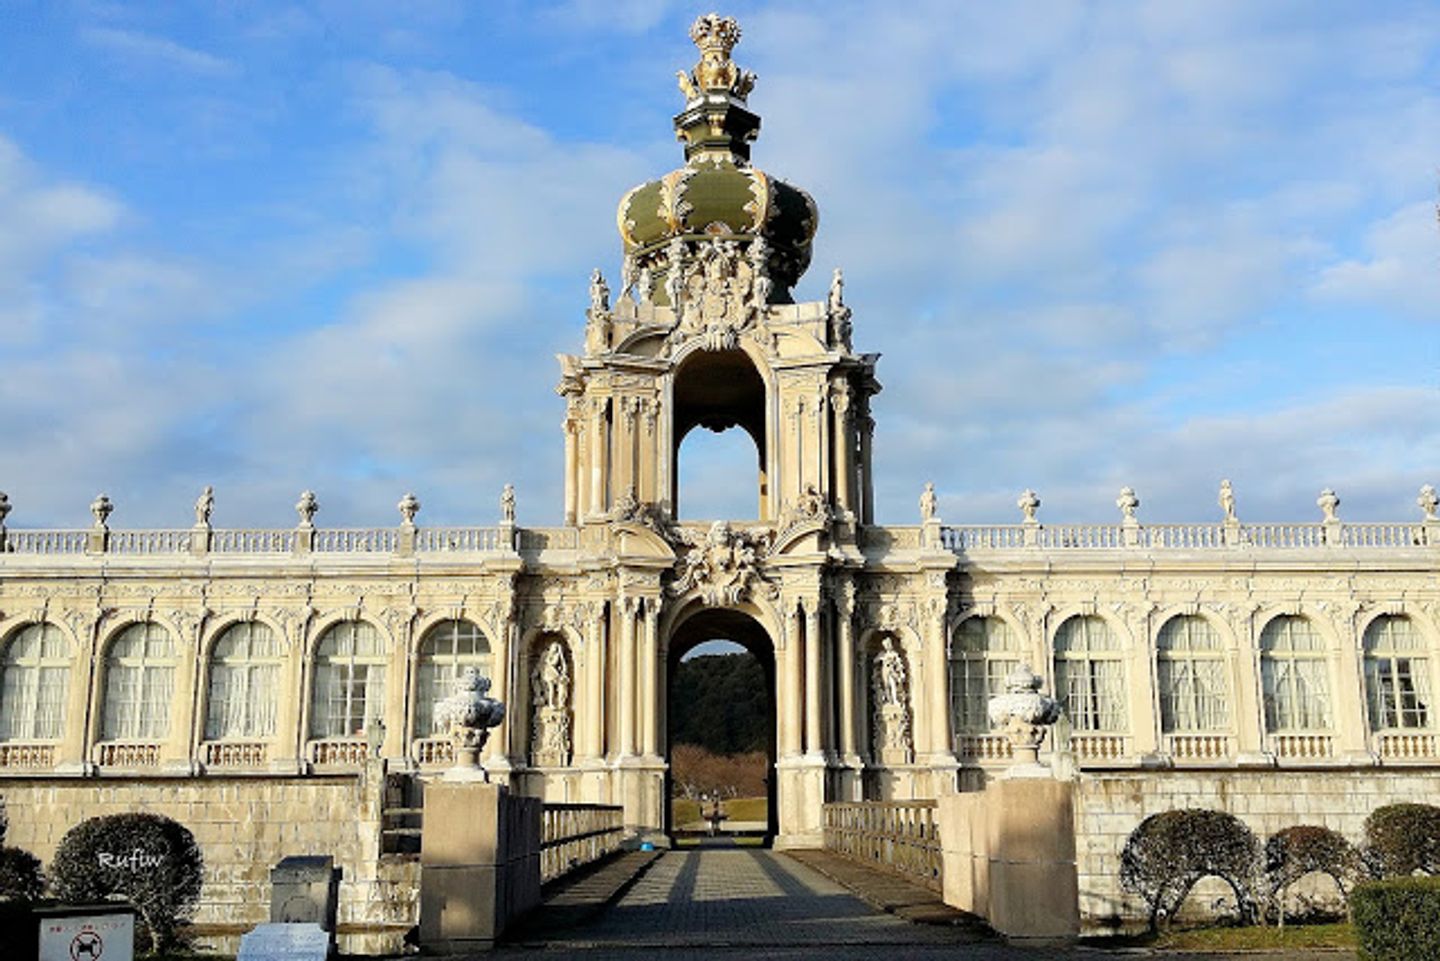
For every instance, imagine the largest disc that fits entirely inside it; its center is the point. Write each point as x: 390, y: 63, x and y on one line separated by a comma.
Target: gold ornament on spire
x: 716, y: 36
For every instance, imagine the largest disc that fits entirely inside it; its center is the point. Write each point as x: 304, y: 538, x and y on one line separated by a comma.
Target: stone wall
x: 244, y: 826
x: 1108, y: 806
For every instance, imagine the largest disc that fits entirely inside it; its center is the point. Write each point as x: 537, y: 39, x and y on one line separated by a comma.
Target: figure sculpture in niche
x: 890, y: 683
x: 890, y: 673
x: 550, y: 692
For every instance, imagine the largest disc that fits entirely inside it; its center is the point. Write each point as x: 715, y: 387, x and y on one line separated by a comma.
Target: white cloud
x: 1399, y: 271
x: 145, y: 48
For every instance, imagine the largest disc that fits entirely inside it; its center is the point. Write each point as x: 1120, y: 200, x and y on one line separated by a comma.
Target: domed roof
x: 718, y: 193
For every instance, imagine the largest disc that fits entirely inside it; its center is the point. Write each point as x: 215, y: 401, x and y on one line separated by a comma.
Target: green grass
x: 686, y: 811
x: 1257, y: 937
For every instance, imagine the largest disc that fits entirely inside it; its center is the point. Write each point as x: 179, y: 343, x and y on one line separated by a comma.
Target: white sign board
x: 88, y: 937
x: 285, y: 942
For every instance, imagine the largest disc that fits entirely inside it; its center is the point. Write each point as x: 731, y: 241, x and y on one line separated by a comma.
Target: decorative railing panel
x: 127, y: 754
x: 467, y: 540
x: 1184, y: 536
x: 990, y: 537
x: 573, y: 835
x: 148, y: 542
x: 252, y: 541
x: 1099, y: 749
x: 235, y: 754
x: 1382, y: 535
x: 45, y: 542
x: 898, y: 836
x: 1302, y: 747
x: 1199, y: 748
x: 549, y: 539
x: 433, y: 751
x: 19, y: 754
x: 1283, y: 535
x: 984, y: 747
x: 331, y: 752
x: 1408, y: 746
x: 359, y: 540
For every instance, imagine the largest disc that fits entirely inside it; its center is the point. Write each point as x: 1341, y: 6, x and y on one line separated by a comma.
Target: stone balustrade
x: 24, y: 755
x: 129, y: 754
x: 977, y: 539
x: 573, y: 835
x: 898, y: 836
x: 234, y: 754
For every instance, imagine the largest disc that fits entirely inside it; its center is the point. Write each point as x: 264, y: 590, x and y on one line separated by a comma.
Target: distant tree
x: 1169, y: 852
x: 722, y: 703
x: 1304, y: 849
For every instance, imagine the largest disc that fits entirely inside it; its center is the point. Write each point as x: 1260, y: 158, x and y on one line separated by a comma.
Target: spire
x: 715, y: 121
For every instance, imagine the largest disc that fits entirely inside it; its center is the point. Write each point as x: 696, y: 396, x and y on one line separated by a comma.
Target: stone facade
x: 1201, y: 663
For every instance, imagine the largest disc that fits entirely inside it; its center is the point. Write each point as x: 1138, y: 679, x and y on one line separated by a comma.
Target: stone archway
x: 738, y: 627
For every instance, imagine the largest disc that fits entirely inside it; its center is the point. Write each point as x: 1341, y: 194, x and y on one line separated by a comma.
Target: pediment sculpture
x: 723, y: 564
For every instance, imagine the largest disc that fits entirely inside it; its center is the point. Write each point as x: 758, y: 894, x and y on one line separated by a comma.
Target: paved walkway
x: 738, y: 904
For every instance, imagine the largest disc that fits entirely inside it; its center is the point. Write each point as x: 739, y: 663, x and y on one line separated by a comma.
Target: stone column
x: 597, y: 456
x: 814, y: 735
x: 1350, y: 723
x: 792, y: 692
x: 844, y: 460
x: 845, y: 605
x: 626, y: 705
x: 867, y: 442
x: 593, y: 746
x: 937, y: 686
x: 571, y: 463
x: 649, y: 667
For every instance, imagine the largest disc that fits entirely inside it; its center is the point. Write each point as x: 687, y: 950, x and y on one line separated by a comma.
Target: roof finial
x: 716, y: 36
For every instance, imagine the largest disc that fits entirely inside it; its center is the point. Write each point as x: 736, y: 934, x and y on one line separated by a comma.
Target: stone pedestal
x: 1009, y: 855
x: 893, y: 743
x: 479, y: 864
x: 305, y: 889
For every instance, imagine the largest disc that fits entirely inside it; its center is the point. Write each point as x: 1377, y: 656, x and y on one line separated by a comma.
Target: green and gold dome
x: 718, y: 194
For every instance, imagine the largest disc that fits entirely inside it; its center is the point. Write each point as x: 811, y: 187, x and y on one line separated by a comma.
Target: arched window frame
x: 140, y: 664
x: 34, y: 683
x: 1295, y: 676
x: 983, y: 651
x: 246, y: 665
x: 1398, y: 680
x: 1090, y: 675
x: 446, y: 649
x: 1193, y: 674
x: 347, y: 693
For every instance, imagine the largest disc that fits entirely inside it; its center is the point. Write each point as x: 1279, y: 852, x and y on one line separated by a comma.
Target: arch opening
x: 723, y: 392
x: 720, y: 730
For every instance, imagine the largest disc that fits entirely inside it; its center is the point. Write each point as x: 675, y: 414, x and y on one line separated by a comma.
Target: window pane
x: 447, y: 649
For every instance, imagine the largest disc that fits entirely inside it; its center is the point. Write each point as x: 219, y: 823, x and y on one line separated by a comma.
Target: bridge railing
x: 898, y: 836
x: 574, y: 835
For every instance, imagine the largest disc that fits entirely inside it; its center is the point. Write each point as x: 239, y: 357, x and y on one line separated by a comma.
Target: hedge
x: 1398, y: 919
x: 1169, y: 852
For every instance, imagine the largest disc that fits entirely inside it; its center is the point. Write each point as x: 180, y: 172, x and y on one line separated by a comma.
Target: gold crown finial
x: 716, y: 36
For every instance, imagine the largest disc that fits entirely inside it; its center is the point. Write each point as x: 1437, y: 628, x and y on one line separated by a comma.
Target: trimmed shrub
x: 1168, y: 853
x: 1398, y: 919
x: 148, y: 859
x: 1401, y: 839
x: 1305, y: 848
x: 20, y: 876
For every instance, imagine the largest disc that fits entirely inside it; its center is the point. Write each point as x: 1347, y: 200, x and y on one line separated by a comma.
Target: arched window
x: 1194, y: 689
x: 1090, y: 675
x: 349, y: 688
x: 1295, y: 676
x: 34, y: 678
x: 139, y: 684
x: 983, y: 652
x: 1397, y: 675
x: 447, y: 649
x: 244, y: 683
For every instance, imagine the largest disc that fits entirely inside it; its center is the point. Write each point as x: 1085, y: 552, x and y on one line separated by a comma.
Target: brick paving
x: 738, y: 904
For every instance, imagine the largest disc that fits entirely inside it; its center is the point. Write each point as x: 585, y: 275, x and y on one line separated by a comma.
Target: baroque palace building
x: 247, y: 681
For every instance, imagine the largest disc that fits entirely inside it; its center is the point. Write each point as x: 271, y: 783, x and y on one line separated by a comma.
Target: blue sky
x: 337, y: 245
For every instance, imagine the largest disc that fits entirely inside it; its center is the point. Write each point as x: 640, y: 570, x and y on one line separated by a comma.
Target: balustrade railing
x: 127, y: 754
x: 1184, y: 536
x: 1199, y: 747
x: 1099, y: 749
x: 148, y: 542
x: 898, y: 836
x: 20, y: 754
x: 970, y: 538
x: 432, y: 751
x: 45, y: 542
x: 1283, y: 535
x: 549, y: 538
x: 1382, y: 535
x: 358, y: 540
x: 1302, y: 747
x: 334, y: 752
x: 573, y: 835
x: 1407, y: 746
x: 252, y: 541
x: 458, y: 539
x: 984, y: 747
x: 235, y: 754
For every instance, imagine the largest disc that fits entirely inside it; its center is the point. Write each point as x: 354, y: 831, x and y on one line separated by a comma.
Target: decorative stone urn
x: 1023, y: 713
x: 468, y: 715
